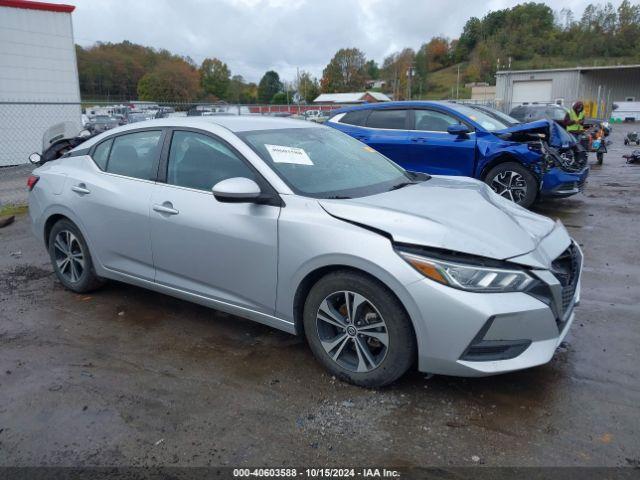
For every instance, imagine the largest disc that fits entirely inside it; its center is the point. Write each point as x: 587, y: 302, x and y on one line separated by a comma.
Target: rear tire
x: 358, y: 330
x: 513, y: 182
x: 71, y: 259
x: 600, y: 157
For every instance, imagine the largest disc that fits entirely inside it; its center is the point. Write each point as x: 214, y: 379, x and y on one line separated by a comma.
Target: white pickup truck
x: 626, y: 111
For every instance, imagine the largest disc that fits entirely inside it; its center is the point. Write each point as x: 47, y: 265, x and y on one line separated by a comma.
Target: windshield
x: 325, y: 163
x: 486, y: 121
x: 503, y: 117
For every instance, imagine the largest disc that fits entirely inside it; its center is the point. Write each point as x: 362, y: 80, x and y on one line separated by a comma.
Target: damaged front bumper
x: 557, y: 182
x: 491, y: 333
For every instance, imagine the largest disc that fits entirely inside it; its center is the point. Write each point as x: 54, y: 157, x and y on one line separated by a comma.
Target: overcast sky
x: 253, y: 36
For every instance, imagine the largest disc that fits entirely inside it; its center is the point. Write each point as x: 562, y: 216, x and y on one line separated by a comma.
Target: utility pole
x: 458, y: 83
x: 409, y: 78
x: 298, y: 81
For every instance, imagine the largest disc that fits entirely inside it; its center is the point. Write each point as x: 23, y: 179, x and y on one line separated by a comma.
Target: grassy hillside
x: 442, y: 81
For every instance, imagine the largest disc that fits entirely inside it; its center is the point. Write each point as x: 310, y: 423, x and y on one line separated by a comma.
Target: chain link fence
x: 23, y: 126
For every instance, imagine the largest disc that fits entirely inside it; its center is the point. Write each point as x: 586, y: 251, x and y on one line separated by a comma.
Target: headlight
x: 470, y: 277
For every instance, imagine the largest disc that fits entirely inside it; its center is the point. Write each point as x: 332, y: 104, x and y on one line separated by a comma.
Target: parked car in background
x: 317, y: 116
x: 135, y: 117
x: 532, y: 112
x: 448, y: 138
x: 305, y: 229
x: 552, y: 111
x: 311, y: 114
x: 322, y: 117
x: 101, y: 123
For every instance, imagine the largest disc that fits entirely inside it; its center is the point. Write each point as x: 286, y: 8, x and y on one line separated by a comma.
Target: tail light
x: 31, y: 181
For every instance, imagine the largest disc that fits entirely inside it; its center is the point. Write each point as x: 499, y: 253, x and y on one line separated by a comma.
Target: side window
x: 134, y: 155
x: 101, y: 154
x: 389, y: 119
x: 433, y: 121
x: 199, y: 161
x: 357, y: 117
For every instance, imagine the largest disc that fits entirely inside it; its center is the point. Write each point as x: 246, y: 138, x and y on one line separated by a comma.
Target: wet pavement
x: 124, y: 376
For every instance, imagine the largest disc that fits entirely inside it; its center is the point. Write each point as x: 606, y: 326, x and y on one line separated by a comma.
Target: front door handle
x: 81, y: 188
x: 419, y: 139
x: 166, y: 208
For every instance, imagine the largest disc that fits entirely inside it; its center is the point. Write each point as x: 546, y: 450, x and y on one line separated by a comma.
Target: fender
x: 57, y: 209
x: 340, y: 261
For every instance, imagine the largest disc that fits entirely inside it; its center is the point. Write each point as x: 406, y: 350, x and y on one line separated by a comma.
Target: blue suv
x: 521, y: 162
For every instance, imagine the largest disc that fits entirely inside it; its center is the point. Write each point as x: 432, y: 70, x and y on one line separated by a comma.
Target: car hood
x: 558, y: 137
x: 452, y: 213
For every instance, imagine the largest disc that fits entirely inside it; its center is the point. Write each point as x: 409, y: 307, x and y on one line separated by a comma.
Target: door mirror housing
x: 458, y: 129
x: 237, y: 189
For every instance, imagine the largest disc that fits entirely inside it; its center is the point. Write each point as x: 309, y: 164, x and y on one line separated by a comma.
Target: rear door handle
x: 166, y: 208
x: 419, y: 139
x: 81, y: 188
x: 362, y: 138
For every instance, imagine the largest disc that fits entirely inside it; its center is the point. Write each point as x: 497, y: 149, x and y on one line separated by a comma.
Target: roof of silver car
x: 235, y: 123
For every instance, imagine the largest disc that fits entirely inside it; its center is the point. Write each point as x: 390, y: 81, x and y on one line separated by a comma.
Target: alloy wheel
x: 352, y: 331
x: 69, y: 256
x: 510, y: 185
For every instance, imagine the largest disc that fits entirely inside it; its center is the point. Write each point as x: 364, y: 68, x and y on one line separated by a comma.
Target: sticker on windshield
x: 283, y: 154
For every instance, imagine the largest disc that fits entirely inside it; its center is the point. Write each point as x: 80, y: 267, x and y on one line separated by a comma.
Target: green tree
x: 372, y: 69
x: 308, y: 87
x: 280, y: 98
x: 346, y: 72
x: 236, y: 89
x: 269, y: 85
x: 170, y: 81
x: 214, y: 77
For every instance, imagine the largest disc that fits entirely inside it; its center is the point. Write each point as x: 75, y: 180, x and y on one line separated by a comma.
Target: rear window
x: 389, y: 119
x: 101, y: 154
x: 134, y: 154
x: 357, y: 117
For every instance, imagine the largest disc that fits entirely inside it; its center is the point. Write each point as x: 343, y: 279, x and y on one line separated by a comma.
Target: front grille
x: 566, y: 268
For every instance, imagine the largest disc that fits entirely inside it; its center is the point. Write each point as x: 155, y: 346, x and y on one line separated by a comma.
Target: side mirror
x: 237, y: 189
x: 458, y: 129
x: 35, y: 158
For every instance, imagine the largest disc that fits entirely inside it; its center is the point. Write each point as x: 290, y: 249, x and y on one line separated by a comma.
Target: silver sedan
x: 307, y: 230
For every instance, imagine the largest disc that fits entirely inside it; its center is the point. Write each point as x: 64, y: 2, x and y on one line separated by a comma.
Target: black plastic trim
x: 458, y: 257
x: 480, y: 350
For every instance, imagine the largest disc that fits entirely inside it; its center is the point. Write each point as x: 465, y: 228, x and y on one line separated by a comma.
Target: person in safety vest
x: 574, y: 120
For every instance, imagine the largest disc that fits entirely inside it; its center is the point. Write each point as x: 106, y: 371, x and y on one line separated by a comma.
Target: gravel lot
x: 129, y: 377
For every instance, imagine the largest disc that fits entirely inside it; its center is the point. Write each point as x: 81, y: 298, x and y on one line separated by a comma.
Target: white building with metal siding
x: 38, y: 75
x: 598, y: 86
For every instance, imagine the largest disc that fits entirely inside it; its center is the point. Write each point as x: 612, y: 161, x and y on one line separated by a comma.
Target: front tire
x: 514, y: 182
x: 71, y: 259
x: 358, y: 330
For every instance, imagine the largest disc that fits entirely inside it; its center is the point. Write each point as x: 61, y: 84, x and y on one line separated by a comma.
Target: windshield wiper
x: 337, y: 197
x: 402, y: 184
